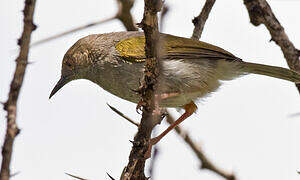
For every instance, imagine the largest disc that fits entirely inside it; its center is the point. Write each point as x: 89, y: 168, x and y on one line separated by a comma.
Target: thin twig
x: 155, y: 151
x: 123, y: 14
x: 110, y: 176
x: 123, y: 115
x: 72, y: 31
x: 200, y: 20
x: 15, y: 174
x: 76, y: 177
x: 205, y: 162
x: 260, y: 12
x: 11, y: 104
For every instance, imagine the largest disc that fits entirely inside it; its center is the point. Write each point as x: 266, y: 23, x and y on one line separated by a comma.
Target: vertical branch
x: 136, y: 164
x: 200, y: 20
x: 11, y: 104
x: 199, y: 23
x: 260, y: 12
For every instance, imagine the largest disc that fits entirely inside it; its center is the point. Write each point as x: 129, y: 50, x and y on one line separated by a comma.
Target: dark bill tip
x: 58, y: 86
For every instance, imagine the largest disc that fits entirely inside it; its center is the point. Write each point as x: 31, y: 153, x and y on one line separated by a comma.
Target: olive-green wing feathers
x: 173, y: 47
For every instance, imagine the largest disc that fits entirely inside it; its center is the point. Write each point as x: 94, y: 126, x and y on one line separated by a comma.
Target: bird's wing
x: 173, y: 47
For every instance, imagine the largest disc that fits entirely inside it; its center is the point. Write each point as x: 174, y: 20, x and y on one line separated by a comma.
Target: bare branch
x: 72, y: 31
x: 199, y: 23
x: 124, y: 14
x: 200, y: 20
x: 135, y: 168
x: 205, y: 162
x: 11, y: 104
x: 261, y: 13
x: 122, y: 115
x: 155, y: 152
x: 154, y: 157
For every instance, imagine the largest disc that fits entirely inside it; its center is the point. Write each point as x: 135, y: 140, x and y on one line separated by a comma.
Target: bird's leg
x: 189, y: 108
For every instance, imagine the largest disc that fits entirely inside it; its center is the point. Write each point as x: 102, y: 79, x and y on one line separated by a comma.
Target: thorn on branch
x: 110, y: 176
x: 18, y: 131
x: 34, y: 26
x: 195, y: 21
x: 200, y: 20
x: 76, y: 177
x: 4, y: 105
x: 298, y: 52
x: 122, y: 115
x: 19, y: 42
x: 14, y: 174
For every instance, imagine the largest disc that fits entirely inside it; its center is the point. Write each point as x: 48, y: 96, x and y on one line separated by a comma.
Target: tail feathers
x: 272, y: 71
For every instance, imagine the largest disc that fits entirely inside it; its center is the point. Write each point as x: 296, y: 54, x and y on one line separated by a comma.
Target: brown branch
x: 199, y: 23
x: 154, y: 157
x: 123, y: 14
x: 11, y: 104
x: 200, y: 20
x: 205, y: 162
x: 135, y: 168
x: 155, y: 152
x: 261, y: 13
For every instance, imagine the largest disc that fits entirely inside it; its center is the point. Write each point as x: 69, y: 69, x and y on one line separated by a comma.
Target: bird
x: 191, y: 69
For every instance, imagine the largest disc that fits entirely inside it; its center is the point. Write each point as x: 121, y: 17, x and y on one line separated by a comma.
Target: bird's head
x: 76, y: 63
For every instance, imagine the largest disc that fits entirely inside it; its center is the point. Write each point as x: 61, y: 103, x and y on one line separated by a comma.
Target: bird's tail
x: 272, y: 71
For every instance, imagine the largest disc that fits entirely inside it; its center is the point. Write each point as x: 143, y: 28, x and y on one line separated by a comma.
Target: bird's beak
x: 63, y: 81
